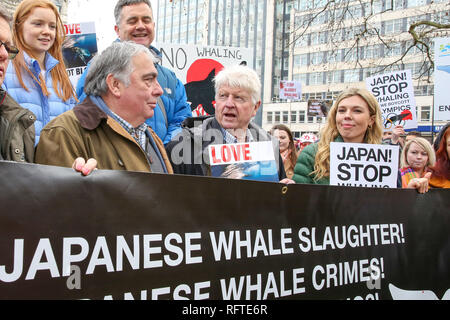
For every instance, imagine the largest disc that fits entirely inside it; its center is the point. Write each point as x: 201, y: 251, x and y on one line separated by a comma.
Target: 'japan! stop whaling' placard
x: 395, y: 94
x: 363, y: 165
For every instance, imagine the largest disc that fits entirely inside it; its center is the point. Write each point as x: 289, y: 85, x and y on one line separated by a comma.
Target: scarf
x: 407, y: 174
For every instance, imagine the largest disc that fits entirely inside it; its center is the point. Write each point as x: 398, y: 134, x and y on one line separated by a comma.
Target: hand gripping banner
x: 129, y: 235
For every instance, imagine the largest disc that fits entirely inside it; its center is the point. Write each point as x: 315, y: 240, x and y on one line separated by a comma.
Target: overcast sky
x: 102, y: 13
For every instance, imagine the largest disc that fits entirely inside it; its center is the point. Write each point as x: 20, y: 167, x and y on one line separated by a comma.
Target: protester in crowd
x: 238, y: 91
x: 387, y: 136
x: 394, y: 137
x: 437, y: 140
x: 441, y: 170
x: 305, y: 140
x: 412, y: 134
x: 17, y: 123
x: 355, y: 117
x: 287, y: 147
x: 416, y: 159
x: 37, y: 77
x: 109, y: 125
x: 134, y: 22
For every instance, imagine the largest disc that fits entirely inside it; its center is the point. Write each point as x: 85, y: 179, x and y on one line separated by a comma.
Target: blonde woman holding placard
x: 354, y: 118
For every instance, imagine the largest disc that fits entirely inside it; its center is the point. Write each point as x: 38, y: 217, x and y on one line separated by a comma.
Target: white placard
x: 442, y: 79
x: 363, y: 165
x: 395, y: 94
x: 291, y: 90
x: 196, y: 66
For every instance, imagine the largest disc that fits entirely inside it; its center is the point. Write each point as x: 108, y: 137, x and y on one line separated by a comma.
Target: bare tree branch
x: 355, y: 25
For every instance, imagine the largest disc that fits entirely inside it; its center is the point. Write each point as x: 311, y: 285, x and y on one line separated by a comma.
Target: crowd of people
x: 130, y: 113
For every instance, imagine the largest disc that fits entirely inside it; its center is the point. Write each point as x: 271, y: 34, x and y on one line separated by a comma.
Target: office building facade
x: 324, y: 71
x: 271, y: 29
x: 238, y: 23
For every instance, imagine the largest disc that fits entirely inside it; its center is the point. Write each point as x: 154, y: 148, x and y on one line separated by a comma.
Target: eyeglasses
x: 12, y: 51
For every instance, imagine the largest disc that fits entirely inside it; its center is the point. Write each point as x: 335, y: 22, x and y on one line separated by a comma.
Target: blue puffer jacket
x: 174, y: 99
x: 45, y: 108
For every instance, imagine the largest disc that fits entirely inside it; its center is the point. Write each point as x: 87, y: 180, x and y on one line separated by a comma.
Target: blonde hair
x: 425, y: 145
x: 330, y: 132
x: 61, y: 83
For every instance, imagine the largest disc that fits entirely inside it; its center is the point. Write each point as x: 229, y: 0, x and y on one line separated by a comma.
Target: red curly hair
x: 442, y: 166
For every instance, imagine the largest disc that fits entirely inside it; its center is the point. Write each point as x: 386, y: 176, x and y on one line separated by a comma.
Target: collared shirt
x: 137, y: 133
x: 141, y: 134
x: 229, y: 138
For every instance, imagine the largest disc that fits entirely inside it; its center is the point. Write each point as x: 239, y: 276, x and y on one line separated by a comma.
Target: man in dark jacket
x: 16, y: 123
x: 238, y: 89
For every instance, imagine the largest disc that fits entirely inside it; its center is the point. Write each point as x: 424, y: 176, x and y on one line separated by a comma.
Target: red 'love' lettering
x: 230, y: 153
x: 72, y: 28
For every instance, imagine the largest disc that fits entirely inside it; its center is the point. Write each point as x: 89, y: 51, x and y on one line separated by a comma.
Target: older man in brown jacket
x: 109, y: 125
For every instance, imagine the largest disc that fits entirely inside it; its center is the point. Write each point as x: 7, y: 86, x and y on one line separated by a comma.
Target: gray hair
x: 239, y: 76
x: 4, y: 15
x: 115, y: 60
x: 123, y: 3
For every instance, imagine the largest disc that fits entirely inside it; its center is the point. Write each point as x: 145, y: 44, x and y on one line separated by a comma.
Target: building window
x: 331, y: 95
x: 416, y: 3
x: 442, y: 17
x: 300, y: 60
x: 269, y: 117
x: 301, y: 116
x: 293, y: 116
x: 394, y: 49
x: 353, y: 12
x: 315, y: 95
x: 425, y: 113
x: 334, y: 76
x: 315, y: 78
x: 350, y: 54
x: 285, y: 116
x: 351, y: 75
x: 371, y: 52
x: 301, y: 41
x: 394, y: 4
x: 277, y: 117
x: 393, y: 26
x: 302, y: 77
x: 317, y: 58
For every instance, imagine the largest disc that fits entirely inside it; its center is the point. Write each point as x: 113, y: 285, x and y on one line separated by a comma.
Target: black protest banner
x: 127, y: 235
